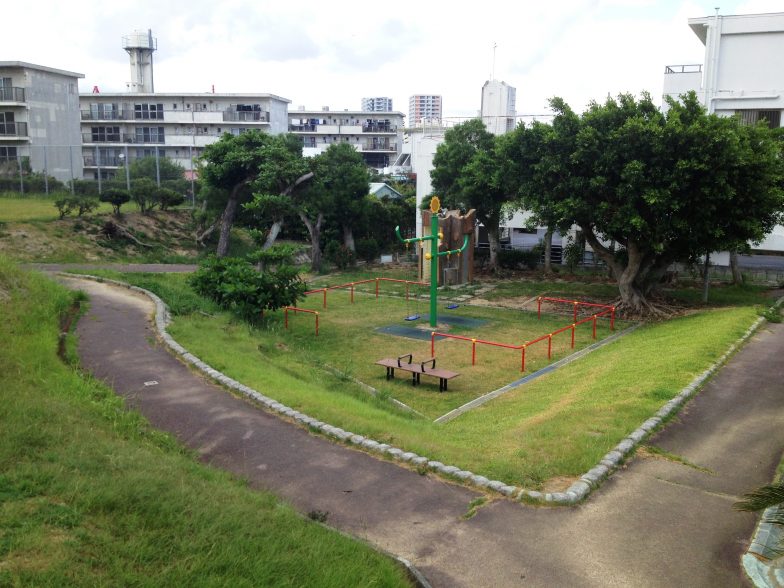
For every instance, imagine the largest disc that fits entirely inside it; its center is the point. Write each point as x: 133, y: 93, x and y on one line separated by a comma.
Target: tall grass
x: 91, y: 495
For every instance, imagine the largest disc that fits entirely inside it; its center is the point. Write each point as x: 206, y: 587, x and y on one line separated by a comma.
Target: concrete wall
x: 53, y: 122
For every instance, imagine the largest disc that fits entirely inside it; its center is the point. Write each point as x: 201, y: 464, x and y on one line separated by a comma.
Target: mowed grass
x: 90, y: 495
x: 557, y: 426
x: 36, y: 208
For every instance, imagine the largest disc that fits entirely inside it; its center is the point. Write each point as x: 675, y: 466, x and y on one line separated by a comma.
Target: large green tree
x: 345, y: 174
x: 238, y: 165
x: 665, y: 187
x: 468, y: 173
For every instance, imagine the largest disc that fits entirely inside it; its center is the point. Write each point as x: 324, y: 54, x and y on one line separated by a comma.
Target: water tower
x: 140, y: 46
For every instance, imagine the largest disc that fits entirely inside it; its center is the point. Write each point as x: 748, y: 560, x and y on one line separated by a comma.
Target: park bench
x: 417, y: 369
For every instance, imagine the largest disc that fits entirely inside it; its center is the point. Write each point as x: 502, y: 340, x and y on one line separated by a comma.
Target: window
x: 105, y: 134
x: 7, y: 154
x: 104, y: 111
x: 148, y: 111
x: 174, y: 106
x: 751, y: 117
x: 149, y: 135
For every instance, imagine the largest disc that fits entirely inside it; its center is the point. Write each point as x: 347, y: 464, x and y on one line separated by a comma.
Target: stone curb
x: 576, y: 493
x: 761, y: 562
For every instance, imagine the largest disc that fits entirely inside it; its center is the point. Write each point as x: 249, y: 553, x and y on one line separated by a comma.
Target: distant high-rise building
x: 377, y: 104
x: 498, y: 107
x: 424, y: 108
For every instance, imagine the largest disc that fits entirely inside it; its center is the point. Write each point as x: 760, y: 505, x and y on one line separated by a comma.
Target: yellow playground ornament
x: 435, y: 205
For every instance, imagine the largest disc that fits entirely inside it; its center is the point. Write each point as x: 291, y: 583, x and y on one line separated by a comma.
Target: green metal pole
x: 433, y: 269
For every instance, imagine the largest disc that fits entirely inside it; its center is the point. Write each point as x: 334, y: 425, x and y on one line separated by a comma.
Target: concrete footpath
x: 654, y: 523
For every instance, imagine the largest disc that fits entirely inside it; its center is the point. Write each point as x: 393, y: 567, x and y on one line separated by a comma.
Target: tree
x: 665, y: 187
x: 143, y: 193
x: 346, y: 177
x: 235, y: 162
x: 467, y: 173
x: 531, y: 173
x: 145, y: 167
x: 283, y: 173
x: 116, y: 198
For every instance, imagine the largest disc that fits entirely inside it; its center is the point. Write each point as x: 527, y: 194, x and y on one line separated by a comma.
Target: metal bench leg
x: 413, y: 378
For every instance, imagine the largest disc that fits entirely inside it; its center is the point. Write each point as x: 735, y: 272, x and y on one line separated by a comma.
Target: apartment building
x: 377, y: 136
x: 377, y: 104
x: 740, y: 76
x: 498, y: 107
x: 424, y: 108
x: 121, y: 127
x: 39, y: 119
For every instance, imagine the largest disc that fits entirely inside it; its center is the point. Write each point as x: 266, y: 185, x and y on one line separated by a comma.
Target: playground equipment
x: 432, y: 256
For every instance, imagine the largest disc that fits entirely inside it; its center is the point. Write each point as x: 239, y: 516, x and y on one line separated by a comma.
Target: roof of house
x: 376, y: 187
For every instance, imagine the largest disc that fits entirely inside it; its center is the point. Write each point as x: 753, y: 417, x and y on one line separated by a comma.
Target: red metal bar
x: 574, y: 327
x: 286, y: 314
x: 612, y: 319
x: 473, y: 352
x: 352, y: 293
x: 433, y: 344
x: 325, y: 297
x: 522, y: 365
x: 317, y: 319
x: 406, y: 291
x: 286, y: 310
x: 575, y: 304
x: 376, y: 288
x: 594, y: 326
x: 577, y: 301
x: 539, y: 310
x: 549, y: 346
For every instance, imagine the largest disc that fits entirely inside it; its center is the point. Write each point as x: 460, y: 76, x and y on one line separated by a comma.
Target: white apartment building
x: 377, y: 104
x: 741, y: 75
x: 125, y: 126
x: 424, y: 108
x: 498, y: 107
x: 377, y: 136
x: 39, y: 119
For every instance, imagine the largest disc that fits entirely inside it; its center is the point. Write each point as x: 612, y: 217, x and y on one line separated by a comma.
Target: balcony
x: 378, y: 128
x: 379, y: 147
x: 12, y: 94
x: 107, y: 115
x: 246, y: 116
x: 120, y: 138
x: 13, y: 129
x: 90, y: 161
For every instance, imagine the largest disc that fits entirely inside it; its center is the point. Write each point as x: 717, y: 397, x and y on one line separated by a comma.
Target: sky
x: 317, y: 53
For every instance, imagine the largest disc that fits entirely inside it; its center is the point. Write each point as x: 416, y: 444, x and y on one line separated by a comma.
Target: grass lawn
x: 91, y: 495
x: 35, y: 208
x: 557, y: 426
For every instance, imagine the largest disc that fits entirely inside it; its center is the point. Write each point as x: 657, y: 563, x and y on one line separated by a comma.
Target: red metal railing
x: 522, y: 347
x: 576, y: 304
x: 350, y: 285
x: 295, y: 310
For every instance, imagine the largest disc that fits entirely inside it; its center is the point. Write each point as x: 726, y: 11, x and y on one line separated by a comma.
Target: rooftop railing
x: 688, y: 68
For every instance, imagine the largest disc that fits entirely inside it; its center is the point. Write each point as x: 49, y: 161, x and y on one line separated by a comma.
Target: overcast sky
x: 319, y: 53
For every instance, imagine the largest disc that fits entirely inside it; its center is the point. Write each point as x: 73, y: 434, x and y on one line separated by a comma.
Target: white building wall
x: 498, y: 107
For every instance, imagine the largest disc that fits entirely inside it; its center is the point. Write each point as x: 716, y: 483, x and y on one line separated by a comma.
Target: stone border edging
x: 576, y: 493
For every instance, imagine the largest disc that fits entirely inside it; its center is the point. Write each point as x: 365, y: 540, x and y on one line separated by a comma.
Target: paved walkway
x: 655, y: 523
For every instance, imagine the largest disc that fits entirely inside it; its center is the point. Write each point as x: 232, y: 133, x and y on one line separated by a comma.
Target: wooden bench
x: 417, y: 369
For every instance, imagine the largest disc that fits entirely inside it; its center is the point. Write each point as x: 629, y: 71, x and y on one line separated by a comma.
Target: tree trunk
x: 492, y: 238
x: 272, y: 235
x: 348, y: 238
x: 706, y: 279
x: 548, y: 251
x: 633, y: 299
x: 314, y: 230
x: 737, y: 277
x: 227, y: 219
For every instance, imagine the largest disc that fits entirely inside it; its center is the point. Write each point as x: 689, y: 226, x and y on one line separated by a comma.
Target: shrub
x: 166, y: 197
x: 79, y: 203
x: 116, y: 198
x: 519, y: 258
x: 368, y: 249
x: 573, y: 255
x: 143, y: 194
x: 234, y: 284
x: 338, y: 254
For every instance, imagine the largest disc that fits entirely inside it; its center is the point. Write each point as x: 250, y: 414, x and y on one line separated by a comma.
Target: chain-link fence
x: 27, y: 169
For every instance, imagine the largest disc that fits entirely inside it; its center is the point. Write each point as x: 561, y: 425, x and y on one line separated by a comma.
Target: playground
x: 367, y: 320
